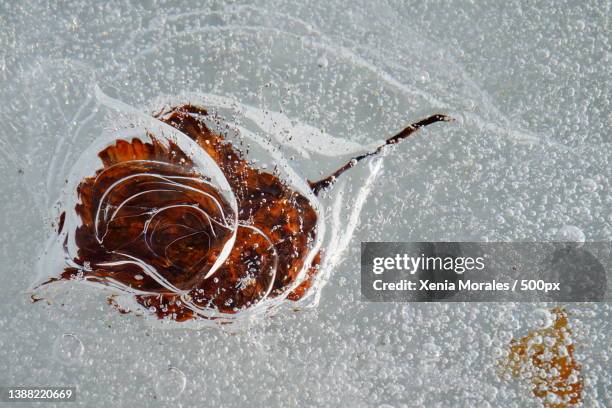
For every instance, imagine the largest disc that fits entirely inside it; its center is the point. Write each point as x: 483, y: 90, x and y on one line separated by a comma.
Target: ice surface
x: 528, y: 159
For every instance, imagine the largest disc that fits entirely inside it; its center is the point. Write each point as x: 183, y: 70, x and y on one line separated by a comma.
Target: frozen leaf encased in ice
x: 175, y: 216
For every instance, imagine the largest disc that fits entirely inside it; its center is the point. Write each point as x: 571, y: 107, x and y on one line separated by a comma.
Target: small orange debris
x: 546, y: 358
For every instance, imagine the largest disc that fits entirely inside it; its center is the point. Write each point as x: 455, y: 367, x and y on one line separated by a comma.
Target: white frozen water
x: 528, y: 159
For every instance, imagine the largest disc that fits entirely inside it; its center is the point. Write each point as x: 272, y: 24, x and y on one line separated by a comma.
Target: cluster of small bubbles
x: 539, y: 319
x: 589, y: 185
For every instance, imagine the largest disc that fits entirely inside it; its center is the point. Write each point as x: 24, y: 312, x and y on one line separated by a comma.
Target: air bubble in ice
x: 571, y: 234
x: 68, y: 349
x: 322, y: 62
x: 589, y: 185
x: 170, y: 384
